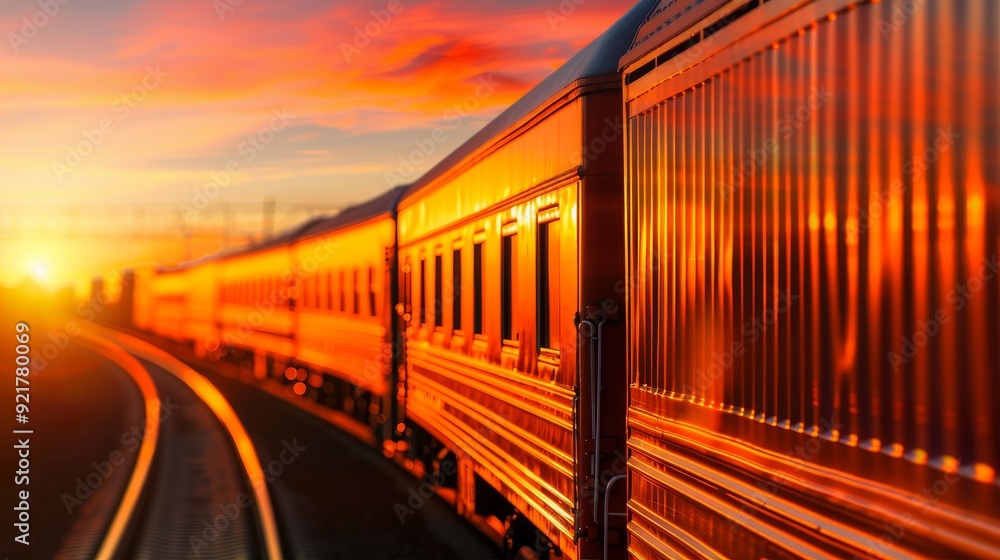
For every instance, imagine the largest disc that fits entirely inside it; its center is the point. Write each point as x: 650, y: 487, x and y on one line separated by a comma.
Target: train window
x: 438, y: 292
x: 343, y: 293
x: 507, y: 263
x: 329, y: 291
x: 423, y: 291
x: 544, y: 300
x: 477, y: 288
x: 371, y: 292
x: 456, y: 289
x: 354, y: 292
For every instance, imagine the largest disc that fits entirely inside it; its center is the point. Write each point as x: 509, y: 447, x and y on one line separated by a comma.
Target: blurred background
x: 136, y: 131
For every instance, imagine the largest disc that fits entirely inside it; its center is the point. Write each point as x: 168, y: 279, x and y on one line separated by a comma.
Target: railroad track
x: 197, y: 489
x: 338, y: 499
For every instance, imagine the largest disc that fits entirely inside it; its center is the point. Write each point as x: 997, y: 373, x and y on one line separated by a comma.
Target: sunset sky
x: 132, y: 108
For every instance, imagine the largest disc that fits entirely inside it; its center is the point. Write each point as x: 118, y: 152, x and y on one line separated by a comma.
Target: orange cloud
x: 362, y: 88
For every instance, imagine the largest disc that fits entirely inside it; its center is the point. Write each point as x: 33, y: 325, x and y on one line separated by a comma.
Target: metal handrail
x: 607, y: 497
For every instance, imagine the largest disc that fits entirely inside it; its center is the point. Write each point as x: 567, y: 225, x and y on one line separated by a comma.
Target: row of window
x: 317, y: 291
x: 257, y: 290
x: 546, y: 267
x: 341, y: 291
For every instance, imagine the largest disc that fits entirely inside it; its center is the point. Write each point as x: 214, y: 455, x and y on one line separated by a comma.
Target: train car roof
x: 599, y: 58
x: 383, y: 204
x: 668, y: 19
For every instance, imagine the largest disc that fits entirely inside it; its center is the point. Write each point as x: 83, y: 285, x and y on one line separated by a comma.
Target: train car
x: 142, y: 303
x: 170, y: 304
x: 813, y: 195
x: 257, y: 298
x: 509, y: 248
x: 203, y: 303
x: 345, y: 267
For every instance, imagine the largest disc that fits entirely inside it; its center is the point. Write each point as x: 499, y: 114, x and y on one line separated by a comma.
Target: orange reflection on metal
x: 876, y: 209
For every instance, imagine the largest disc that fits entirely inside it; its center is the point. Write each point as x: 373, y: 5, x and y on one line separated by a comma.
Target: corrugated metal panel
x: 814, y: 231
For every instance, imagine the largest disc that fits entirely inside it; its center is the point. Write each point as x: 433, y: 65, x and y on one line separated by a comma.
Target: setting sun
x: 39, y: 271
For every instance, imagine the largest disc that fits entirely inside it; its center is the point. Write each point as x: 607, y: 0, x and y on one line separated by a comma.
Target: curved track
x: 197, y: 489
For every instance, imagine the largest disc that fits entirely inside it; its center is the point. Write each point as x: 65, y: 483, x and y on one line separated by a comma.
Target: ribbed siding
x: 786, y: 249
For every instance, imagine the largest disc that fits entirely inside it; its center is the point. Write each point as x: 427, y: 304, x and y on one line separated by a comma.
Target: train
x: 722, y: 285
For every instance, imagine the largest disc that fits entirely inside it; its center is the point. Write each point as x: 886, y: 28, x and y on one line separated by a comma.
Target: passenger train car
x: 813, y: 198
x: 345, y: 321
x: 720, y: 286
x: 510, y: 248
